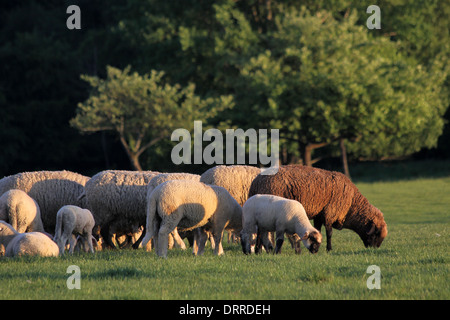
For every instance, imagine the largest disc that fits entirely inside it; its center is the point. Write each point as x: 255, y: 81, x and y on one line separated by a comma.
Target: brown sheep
x: 329, y: 197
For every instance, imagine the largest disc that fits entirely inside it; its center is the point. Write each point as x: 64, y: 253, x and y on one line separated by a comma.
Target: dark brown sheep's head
x: 312, y: 240
x: 374, y: 234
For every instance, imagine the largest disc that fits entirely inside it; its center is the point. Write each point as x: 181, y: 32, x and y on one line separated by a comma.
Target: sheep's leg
x: 72, y: 243
x: 88, y: 237
x: 279, y: 241
x: 202, y: 237
x: 178, y: 241
x: 165, y: 229
x: 138, y: 242
x: 218, y: 249
x: 107, y: 236
x: 267, y: 243
x: 329, y: 232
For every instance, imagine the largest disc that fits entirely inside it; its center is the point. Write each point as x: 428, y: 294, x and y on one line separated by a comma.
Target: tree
x: 325, y: 81
x: 142, y: 110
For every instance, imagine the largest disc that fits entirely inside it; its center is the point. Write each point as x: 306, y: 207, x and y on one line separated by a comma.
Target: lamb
x: 50, y: 189
x: 26, y: 244
x: 189, y: 205
x: 73, y: 220
x: 161, y: 178
x: 329, y: 197
x: 21, y: 211
x: 117, y: 200
x: 267, y: 213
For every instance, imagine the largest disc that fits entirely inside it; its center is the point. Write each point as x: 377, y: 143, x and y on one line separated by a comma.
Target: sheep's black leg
x: 279, y: 242
x: 138, y: 242
x: 318, y: 222
x: 329, y: 231
x: 107, y: 237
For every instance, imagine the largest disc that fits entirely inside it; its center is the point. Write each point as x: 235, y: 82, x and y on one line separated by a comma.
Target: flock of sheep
x: 47, y: 212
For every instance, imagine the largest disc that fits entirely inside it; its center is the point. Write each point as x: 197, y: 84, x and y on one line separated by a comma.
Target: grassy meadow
x: 413, y: 259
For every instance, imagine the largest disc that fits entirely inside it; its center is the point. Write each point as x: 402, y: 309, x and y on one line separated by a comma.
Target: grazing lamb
x: 329, y: 197
x: 189, y: 205
x: 50, y: 189
x: 267, y: 213
x: 73, y: 220
x: 21, y: 211
x: 26, y: 244
x: 161, y: 178
x: 117, y: 199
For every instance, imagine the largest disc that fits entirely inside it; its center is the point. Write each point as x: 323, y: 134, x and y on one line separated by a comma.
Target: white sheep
x: 117, y: 199
x: 73, y: 220
x: 26, y: 244
x: 50, y: 189
x: 21, y: 211
x: 235, y: 179
x: 188, y: 205
x: 161, y: 178
x: 262, y: 214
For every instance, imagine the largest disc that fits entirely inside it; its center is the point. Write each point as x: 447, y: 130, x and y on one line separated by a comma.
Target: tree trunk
x: 344, y: 157
x: 134, y: 159
x: 306, y: 151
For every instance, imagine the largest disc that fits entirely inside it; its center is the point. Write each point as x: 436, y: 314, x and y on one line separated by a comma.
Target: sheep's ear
x: 372, y: 230
x: 305, y: 236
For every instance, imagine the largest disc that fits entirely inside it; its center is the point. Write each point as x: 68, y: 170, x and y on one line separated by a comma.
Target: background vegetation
x: 310, y: 68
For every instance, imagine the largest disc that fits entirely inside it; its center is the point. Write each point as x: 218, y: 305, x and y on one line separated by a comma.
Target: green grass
x: 414, y: 262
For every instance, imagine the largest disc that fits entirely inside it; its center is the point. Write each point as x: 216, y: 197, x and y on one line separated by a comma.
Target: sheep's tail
x: 152, y: 221
x: 58, y: 227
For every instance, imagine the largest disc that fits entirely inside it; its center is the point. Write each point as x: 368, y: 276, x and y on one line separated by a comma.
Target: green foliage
x: 142, y: 110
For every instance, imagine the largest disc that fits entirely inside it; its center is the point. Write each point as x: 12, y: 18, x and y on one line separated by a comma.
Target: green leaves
x: 142, y: 110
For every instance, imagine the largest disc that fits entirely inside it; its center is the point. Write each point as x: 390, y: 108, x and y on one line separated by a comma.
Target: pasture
x: 413, y: 260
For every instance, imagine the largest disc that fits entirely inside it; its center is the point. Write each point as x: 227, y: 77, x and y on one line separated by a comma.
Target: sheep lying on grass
x: 262, y: 214
x: 72, y: 220
x: 21, y: 211
x: 329, y: 197
x: 188, y: 205
x: 26, y: 244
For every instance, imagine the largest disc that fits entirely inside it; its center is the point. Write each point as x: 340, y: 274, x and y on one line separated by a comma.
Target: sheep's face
x: 312, y: 241
x: 376, y: 234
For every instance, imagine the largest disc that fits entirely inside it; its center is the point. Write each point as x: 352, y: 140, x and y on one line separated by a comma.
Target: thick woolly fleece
x: 235, y: 179
x: 50, y: 189
x: 26, y: 244
x: 269, y: 213
x: 188, y: 205
x: 329, y: 197
x: 21, y: 211
x: 73, y: 220
x: 117, y: 200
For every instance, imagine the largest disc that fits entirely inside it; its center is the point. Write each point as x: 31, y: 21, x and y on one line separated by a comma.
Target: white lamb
x: 188, y: 205
x: 73, y: 220
x: 21, y: 211
x: 26, y: 244
x: 262, y: 214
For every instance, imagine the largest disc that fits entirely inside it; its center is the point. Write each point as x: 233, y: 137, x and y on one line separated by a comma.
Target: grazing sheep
x: 26, y: 244
x: 267, y: 213
x: 235, y: 179
x: 161, y: 178
x: 73, y: 220
x: 329, y: 197
x: 189, y: 205
x: 50, y: 189
x: 117, y: 200
x: 21, y: 211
